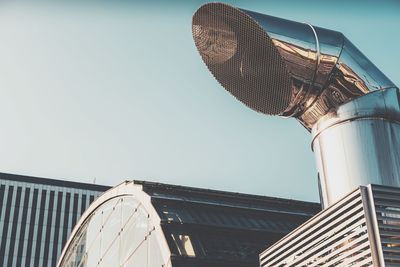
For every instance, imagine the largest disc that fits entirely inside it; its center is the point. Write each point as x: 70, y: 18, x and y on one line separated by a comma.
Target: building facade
x: 36, y: 217
x: 158, y: 225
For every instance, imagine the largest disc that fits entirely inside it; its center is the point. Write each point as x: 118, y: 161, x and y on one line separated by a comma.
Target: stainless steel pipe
x: 359, y: 144
x: 281, y: 67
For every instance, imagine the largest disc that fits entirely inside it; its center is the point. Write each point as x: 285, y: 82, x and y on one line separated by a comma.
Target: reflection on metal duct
x: 281, y: 67
x: 359, y: 144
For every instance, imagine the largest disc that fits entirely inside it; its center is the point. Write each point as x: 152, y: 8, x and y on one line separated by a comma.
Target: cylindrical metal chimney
x: 359, y: 144
x: 291, y: 69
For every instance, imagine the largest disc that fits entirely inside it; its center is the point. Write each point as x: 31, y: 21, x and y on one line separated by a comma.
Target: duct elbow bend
x: 281, y: 67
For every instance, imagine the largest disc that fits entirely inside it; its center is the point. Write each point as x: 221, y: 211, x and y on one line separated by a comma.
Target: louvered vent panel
x: 387, y: 207
x: 337, y: 236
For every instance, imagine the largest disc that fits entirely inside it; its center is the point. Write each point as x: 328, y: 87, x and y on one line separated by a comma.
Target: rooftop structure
x: 150, y: 224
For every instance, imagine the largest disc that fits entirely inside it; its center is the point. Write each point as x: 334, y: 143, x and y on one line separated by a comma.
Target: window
x: 184, y: 245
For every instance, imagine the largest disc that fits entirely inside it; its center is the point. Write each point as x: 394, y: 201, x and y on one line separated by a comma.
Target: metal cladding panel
x: 387, y: 209
x: 224, y: 233
x: 217, y: 198
x: 362, y: 229
x: 215, y: 228
x: 227, y: 217
x: 337, y: 236
x: 219, y: 245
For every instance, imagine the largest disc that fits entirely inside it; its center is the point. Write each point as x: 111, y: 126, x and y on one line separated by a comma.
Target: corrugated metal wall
x: 362, y: 229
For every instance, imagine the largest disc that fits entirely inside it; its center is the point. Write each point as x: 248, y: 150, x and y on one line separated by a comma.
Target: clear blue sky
x: 115, y: 90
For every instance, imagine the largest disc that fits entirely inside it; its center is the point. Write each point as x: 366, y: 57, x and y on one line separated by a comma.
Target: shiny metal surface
x: 362, y: 229
x: 337, y: 236
x: 359, y: 144
x: 281, y: 67
x: 120, y: 228
x: 385, y: 203
x: 373, y: 224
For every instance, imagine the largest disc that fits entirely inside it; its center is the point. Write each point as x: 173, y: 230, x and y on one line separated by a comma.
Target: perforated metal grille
x: 387, y: 207
x: 337, y: 236
x: 242, y: 57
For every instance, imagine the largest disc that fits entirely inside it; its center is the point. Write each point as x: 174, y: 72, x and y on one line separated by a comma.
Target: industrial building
x: 36, y: 217
x: 150, y: 224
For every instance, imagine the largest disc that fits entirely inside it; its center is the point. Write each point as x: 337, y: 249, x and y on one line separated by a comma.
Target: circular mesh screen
x: 242, y: 57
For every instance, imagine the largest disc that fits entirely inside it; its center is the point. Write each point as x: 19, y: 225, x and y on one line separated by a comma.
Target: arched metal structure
x: 121, y: 228
x: 152, y: 225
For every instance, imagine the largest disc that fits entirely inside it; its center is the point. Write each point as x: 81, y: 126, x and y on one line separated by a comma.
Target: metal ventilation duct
x: 291, y: 69
x: 282, y: 67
